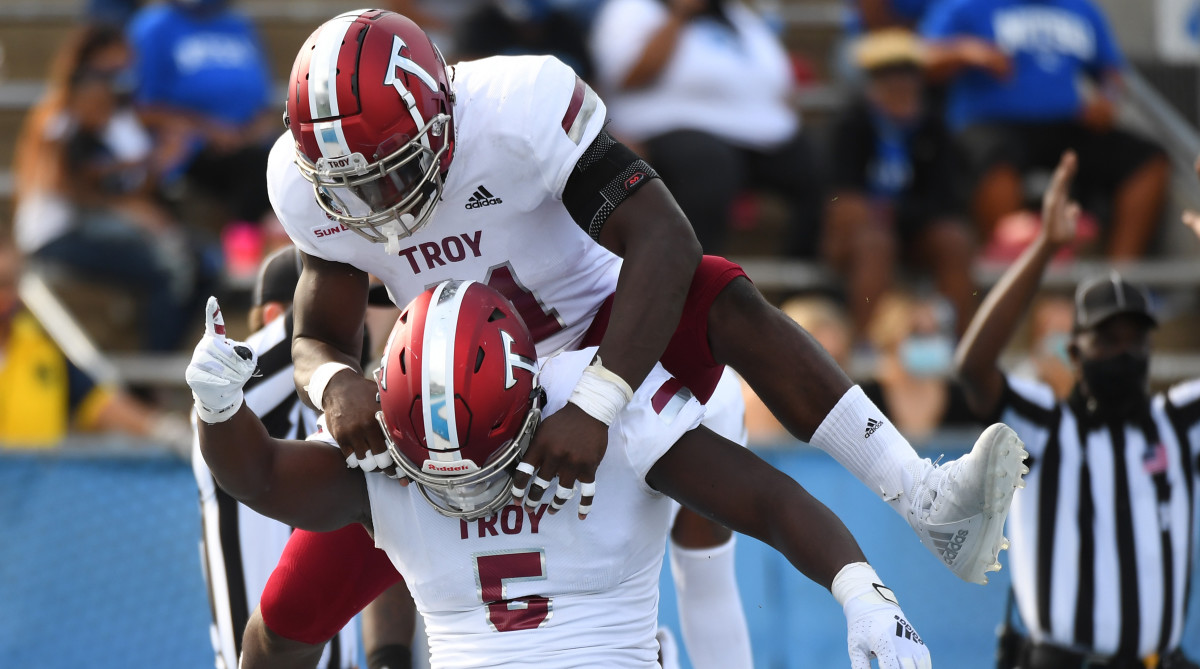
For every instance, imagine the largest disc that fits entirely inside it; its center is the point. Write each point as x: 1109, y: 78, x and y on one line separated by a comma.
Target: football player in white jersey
x: 500, y: 171
x: 500, y: 583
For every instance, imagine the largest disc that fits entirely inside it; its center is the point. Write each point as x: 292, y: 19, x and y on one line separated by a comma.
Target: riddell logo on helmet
x: 461, y: 466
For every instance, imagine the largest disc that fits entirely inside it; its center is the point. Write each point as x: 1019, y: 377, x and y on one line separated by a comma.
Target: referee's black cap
x: 277, y: 277
x: 1102, y: 297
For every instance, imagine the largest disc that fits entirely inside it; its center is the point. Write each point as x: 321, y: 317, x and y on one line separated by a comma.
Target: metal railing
x: 162, y: 370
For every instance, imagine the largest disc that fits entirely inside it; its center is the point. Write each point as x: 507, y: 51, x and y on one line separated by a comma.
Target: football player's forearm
x: 328, y: 313
x: 734, y: 487
x: 988, y: 333
x: 810, y: 536
x: 239, y: 451
x: 303, y: 484
x: 661, y: 255
x: 308, y: 354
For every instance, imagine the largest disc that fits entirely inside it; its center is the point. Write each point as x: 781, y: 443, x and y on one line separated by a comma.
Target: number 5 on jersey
x: 493, y: 573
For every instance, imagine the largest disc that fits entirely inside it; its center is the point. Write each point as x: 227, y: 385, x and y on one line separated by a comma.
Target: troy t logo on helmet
x: 408, y: 65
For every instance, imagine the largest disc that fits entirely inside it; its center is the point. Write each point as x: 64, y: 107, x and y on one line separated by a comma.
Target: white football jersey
x: 524, y: 588
x: 521, y: 123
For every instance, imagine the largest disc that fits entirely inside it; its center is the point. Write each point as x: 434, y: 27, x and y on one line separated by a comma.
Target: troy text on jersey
x: 437, y: 254
x: 512, y: 519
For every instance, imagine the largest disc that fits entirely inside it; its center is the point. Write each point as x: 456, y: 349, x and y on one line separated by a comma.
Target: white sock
x: 864, y: 441
x: 714, y: 626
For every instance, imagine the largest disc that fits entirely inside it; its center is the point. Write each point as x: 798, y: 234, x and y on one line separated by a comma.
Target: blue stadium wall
x: 100, y: 567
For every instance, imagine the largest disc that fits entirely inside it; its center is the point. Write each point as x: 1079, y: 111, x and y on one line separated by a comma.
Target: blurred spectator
x: 826, y: 322
x: 912, y: 381
x: 1016, y: 95
x: 438, y: 19
x: 84, y: 169
x: 893, y: 166
x: 1049, y: 361
x: 704, y: 87
x: 43, y: 396
x: 111, y: 12
x: 515, y: 27
x: 871, y: 15
x: 203, y: 80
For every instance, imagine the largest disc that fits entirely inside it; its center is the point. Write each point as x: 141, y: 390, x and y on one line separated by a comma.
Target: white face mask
x: 927, y: 356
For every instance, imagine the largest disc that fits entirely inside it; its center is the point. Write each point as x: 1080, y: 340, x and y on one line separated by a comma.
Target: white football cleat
x: 958, y: 509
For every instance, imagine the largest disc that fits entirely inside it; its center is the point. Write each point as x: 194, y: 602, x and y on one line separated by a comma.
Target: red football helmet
x: 459, y: 396
x: 370, y: 107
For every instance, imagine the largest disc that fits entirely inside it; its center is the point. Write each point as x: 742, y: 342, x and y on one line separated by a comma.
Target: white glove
x: 219, y: 369
x: 877, y: 627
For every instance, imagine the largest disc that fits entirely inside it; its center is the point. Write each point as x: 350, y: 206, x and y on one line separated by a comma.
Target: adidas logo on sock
x: 948, y: 545
x: 482, y: 198
x: 872, y: 425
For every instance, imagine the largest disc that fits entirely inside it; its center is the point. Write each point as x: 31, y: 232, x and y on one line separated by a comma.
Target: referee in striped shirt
x: 1101, y: 535
x: 241, y: 547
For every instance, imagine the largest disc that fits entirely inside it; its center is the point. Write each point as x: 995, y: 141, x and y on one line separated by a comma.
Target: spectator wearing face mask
x: 912, y: 381
x: 1051, y: 324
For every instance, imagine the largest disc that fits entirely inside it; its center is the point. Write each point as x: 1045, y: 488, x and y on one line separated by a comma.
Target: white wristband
x: 601, y: 393
x: 214, y: 416
x: 855, y: 579
x: 320, y: 379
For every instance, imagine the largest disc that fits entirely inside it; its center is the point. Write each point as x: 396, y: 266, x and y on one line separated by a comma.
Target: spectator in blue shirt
x: 202, y: 73
x: 1015, y: 69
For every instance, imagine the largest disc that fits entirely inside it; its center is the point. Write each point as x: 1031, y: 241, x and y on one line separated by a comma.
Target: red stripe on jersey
x: 665, y: 393
x: 575, y: 106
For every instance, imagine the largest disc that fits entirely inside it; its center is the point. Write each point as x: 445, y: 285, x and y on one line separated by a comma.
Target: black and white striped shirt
x: 272, y: 396
x: 1102, y: 534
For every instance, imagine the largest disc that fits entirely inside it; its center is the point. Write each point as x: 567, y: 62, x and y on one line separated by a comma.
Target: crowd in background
x: 142, y: 167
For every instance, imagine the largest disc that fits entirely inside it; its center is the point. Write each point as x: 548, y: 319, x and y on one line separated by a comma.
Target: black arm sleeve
x: 606, y: 174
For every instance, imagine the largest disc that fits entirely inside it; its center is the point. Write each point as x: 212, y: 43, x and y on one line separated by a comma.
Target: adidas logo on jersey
x: 872, y: 425
x: 482, y: 198
x: 948, y: 545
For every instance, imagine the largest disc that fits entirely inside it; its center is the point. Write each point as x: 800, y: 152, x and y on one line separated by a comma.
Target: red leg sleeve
x: 322, y: 580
